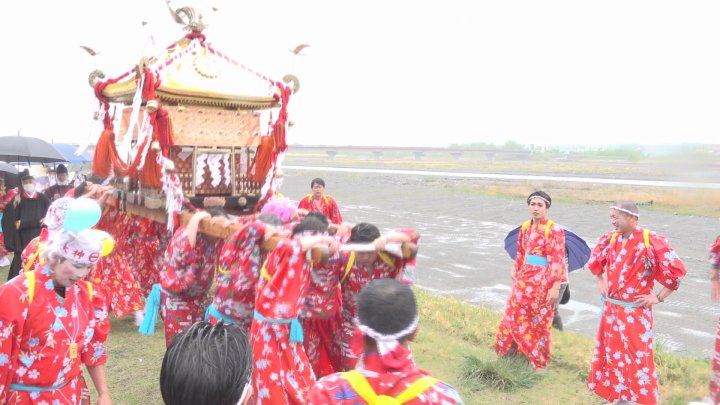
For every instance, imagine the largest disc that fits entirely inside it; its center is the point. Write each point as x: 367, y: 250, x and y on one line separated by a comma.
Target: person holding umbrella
x: 540, y: 268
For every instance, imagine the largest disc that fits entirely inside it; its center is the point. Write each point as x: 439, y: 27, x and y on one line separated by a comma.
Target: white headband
x: 245, y: 391
x: 613, y: 207
x: 542, y: 198
x: 387, y: 343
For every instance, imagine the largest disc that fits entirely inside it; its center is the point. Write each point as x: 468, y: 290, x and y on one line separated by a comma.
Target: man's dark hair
x: 320, y: 216
x: 387, y: 306
x: 542, y: 195
x: 364, y: 233
x: 206, y: 365
x: 311, y: 223
x: 61, y: 169
x: 317, y: 180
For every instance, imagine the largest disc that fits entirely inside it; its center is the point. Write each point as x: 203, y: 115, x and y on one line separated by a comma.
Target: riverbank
x: 449, y: 331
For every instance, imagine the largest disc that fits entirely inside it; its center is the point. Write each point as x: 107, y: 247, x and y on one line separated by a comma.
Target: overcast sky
x: 425, y: 73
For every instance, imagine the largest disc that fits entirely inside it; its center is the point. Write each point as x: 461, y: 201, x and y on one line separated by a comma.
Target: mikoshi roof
x: 191, y: 72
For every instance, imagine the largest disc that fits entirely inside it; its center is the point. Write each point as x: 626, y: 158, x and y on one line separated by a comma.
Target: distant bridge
x: 418, y: 152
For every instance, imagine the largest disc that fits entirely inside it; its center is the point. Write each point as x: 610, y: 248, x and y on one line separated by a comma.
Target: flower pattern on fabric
x: 35, y: 348
x: 239, y: 265
x: 282, y: 372
x: 112, y: 274
x: 326, y: 206
x: 527, y: 321
x: 186, y: 275
x: 622, y: 365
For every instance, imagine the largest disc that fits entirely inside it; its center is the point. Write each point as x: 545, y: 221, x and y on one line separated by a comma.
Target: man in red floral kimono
x: 318, y: 201
x: 388, y: 320
x: 240, y: 260
x: 627, y: 263
x: 52, y: 322
x: 359, y: 268
x: 282, y: 373
x: 189, y: 267
x: 715, y: 295
x: 539, y: 270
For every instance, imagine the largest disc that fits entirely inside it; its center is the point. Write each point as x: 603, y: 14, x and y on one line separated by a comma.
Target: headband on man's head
x: 387, y: 343
x: 540, y: 197
x: 635, y: 214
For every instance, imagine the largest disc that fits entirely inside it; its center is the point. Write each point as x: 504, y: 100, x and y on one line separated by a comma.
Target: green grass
x: 455, y: 343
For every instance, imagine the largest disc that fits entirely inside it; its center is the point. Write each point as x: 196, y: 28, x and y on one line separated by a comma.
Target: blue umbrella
x: 577, y: 250
x: 68, y: 152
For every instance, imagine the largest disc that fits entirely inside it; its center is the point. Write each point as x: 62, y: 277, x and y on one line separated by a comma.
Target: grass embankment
x: 454, y: 338
x: 690, y: 202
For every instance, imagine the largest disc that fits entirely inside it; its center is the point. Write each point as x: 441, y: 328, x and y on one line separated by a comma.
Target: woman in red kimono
x: 282, y: 373
x: 52, y: 322
x: 537, y: 274
x: 715, y: 295
x: 318, y: 201
x: 626, y: 264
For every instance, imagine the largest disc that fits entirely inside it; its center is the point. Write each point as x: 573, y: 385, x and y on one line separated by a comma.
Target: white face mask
x: 29, y: 188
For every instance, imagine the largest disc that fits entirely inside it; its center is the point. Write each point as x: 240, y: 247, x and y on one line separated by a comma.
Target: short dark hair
x: 206, y: 365
x: 364, y: 233
x: 311, y: 223
x: 317, y: 180
x: 387, y: 306
x: 545, y: 196
x: 320, y: 216
x: 61, y: 169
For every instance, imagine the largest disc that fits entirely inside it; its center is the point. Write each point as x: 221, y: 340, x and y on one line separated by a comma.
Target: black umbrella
x: 27, y: 149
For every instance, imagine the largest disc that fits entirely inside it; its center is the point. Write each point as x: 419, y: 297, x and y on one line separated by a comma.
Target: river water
x: 461, y: 251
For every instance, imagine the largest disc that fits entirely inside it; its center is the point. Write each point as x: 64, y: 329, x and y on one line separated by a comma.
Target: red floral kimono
x: 527, y: 322
x: 353, y: 278
x: 185, y: 280
x: 142, y: 249
x: 322, y: 320
x: 384, y: 380
x: 325, y: 205
x: 112, y: 275
x: 622, y: 365
x: 715, y: 377
x: 45, y: 340
x: 236, y: 280
x: 282, y: 373
x: 31, y: 257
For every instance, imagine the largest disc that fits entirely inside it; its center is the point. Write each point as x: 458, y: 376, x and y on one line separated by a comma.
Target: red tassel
x: 164, y: 130
x: 103, y: 150
x: 263, y: 159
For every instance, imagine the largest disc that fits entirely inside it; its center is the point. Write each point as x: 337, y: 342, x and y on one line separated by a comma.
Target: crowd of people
x: 296, y: 306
